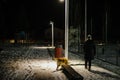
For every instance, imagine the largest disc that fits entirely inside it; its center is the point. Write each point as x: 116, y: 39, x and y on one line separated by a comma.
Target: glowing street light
x: 61, y: 0
x: 52, y: 23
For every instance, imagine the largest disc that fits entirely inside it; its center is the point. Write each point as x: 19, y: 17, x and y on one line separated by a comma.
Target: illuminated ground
x: 35, y: 63
x: 96, y: 73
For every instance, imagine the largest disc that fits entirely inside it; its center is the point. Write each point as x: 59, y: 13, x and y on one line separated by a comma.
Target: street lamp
x: 52, y: 23
x: 61, y: 0
x: 85, y: 20
x: 66, y: 25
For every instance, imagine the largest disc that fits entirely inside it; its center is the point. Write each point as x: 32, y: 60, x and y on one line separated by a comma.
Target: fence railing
x: 109, y: 53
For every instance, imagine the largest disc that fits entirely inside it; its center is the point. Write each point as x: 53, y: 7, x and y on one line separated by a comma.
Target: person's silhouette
x: 90, y: 51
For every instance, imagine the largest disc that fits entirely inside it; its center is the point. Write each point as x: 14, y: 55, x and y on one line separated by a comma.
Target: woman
x: 90, y: 51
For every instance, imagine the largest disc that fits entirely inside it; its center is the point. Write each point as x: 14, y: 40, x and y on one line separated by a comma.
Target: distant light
x: 12, y: 41
x: 61, y: 0
x: 51, y: 22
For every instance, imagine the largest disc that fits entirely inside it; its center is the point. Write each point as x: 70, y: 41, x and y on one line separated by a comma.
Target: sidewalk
x: 35, y: 63
x: 96, y: 73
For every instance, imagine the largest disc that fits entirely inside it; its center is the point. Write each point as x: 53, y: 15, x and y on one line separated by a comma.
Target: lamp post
x: 66, y: 25
x: 85, y: 20
x: 52, y: 23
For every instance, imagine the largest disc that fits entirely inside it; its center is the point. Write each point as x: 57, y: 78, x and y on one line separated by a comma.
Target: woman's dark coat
x: 89, y: 50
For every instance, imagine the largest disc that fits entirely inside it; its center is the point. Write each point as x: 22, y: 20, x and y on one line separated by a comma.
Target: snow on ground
x: 96, y: 73
x: 35, y: 63
x: 23, y: 63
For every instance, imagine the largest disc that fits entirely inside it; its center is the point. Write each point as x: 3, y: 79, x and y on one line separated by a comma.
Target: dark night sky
x: 30, y: 16
x: 33, y: 16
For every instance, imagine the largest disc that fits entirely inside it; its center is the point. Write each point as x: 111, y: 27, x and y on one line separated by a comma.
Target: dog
x: 61, y: 61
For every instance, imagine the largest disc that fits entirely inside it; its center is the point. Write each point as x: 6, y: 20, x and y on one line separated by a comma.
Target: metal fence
x: 108, y: 53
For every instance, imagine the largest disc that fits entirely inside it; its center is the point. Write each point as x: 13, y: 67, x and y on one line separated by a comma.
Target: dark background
x: 34, y: 16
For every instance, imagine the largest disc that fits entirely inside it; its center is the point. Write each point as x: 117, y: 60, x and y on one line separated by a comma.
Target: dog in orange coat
x: 61, y: 61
